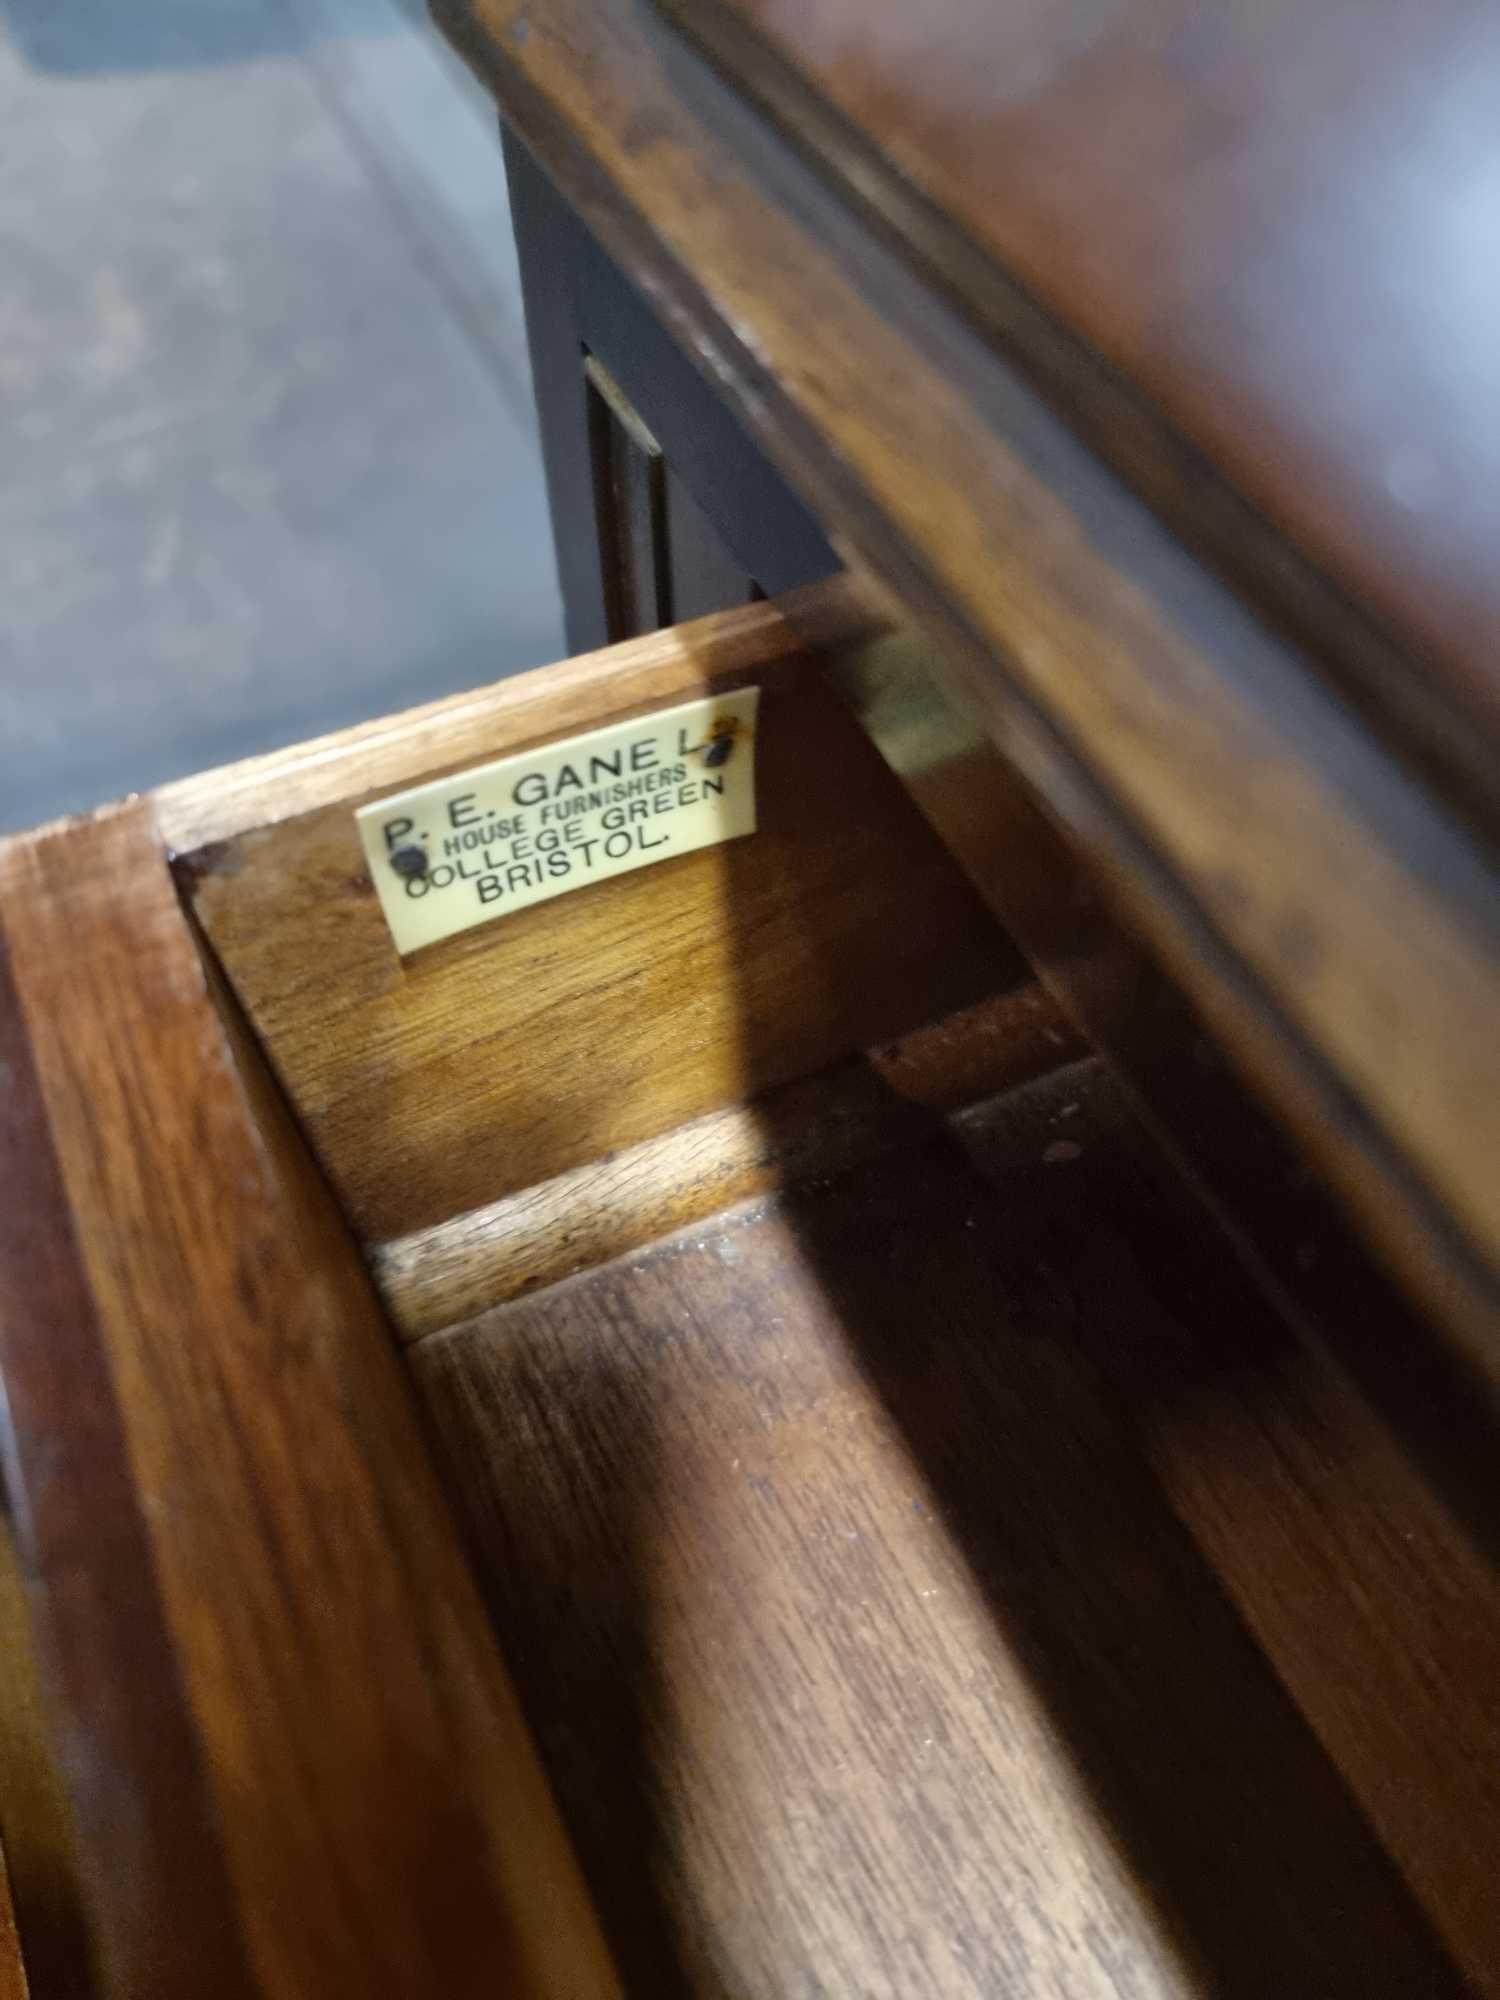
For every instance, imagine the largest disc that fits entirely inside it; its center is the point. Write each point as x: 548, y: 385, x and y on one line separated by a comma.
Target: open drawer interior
x: 929, y: 1562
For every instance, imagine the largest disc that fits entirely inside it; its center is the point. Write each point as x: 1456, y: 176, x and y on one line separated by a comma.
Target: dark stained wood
x: 703, y: 571
x: 1272, y: 220
x: 915, y: 1658
x: 37, y: 1828
x: 721, y: 491
x: 1380, y: 1615
x: 297, y: 1762
x: 1262, y: 1187
x: 1331, y: 920
x: 630, y: 484
x: 528, y: 1047
x: 562, y: 401
x: 664, y: 562
x: 1377, y: 1602
x: 13, y: 1984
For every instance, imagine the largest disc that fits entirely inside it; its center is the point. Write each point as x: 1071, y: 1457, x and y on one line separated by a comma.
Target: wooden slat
x: 1283, y: 1215
x: 898, y: 1672
x: 157, y: 1891
x: 1297, y: 877
x: 804, y: 1131
x: 298, y: 1764
x: 579, y: 693
x: 530, y: 1046
x: 1380, y: 1614
x: 1376, y: 1602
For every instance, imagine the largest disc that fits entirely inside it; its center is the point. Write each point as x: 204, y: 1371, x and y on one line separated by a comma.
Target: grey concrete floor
x: 267, y: 455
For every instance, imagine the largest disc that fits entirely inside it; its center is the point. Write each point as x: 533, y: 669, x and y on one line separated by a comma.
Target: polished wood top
x: 1278, y: 223
x: 1333, y: 915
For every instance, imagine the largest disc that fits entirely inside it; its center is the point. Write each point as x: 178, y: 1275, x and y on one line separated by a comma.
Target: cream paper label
x: 490, y: 841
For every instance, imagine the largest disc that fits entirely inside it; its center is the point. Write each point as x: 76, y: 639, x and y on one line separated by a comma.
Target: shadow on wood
x: 860, y: 1610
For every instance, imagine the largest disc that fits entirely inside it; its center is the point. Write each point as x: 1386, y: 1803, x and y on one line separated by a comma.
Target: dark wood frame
x: 1290, y: 865
x: 579, y: 304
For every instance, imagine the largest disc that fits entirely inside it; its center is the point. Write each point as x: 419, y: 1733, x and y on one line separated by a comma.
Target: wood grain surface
x: 1332, y: 918
x: 525, y: 1048
x: 297, y: 1763
x: 1285, y: 1216
x: 1270, y: 219
x: 806, y: 1130
x: 13, y: 1984
x: 579, y: 693
x: 985, y: 1594
x: 37, y: 1829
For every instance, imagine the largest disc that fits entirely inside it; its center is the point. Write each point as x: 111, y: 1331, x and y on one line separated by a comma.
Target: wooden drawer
x: 899, y: 1544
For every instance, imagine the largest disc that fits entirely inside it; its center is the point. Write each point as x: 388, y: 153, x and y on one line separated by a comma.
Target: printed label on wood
x: 486, y: 842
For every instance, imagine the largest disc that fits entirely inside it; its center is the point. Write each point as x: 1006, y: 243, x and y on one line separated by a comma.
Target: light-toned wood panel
x: 896, y: 1672
x: 574, y: 694
x: 524, y: 1048
x: 803, y: 1131
x: 1296, y: 876
x: 267, y: 1644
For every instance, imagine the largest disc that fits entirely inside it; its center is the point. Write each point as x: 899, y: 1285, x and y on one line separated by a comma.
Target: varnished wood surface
x: 527, y: 1047
x: 984, y: 1594
x: 807, y: 1130
x: 36, y: 1819
x: 1333, y: 921
x: 297, y: 1763
x: 1274, y: 220
x: 13, y: 1984
x: 1261, y: 1184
